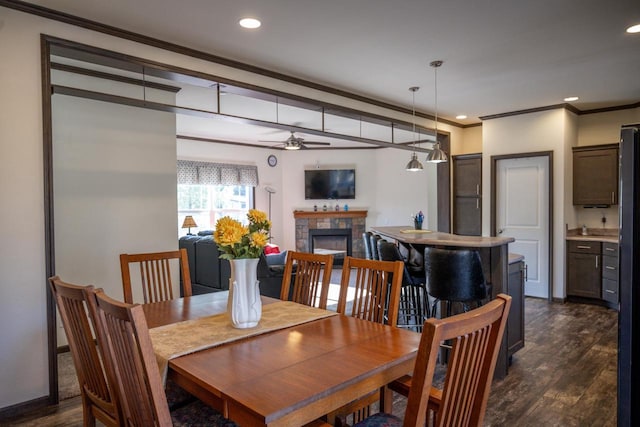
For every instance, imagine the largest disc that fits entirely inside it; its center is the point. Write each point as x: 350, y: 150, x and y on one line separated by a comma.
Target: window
x: 209, y: 191
x: 208, y: 203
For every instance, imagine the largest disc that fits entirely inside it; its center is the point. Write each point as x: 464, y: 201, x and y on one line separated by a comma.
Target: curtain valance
x: 206, y: 173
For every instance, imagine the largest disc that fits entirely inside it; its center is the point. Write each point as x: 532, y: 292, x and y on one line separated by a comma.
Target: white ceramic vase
x: 244, y: 305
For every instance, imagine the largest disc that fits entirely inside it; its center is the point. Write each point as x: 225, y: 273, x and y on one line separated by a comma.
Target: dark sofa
x: 209, y: 273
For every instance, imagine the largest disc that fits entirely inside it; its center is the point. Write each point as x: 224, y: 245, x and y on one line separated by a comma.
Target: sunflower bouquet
x: 237, y: 241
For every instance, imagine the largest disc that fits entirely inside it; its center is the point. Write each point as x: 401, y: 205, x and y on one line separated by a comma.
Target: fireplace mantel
x: 330, y: 214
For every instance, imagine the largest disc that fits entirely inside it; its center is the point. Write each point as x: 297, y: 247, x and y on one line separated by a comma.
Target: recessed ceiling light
x: 249, y: 23
x: 634, y: 29
x: 571, y: 98
x: 461, y: 117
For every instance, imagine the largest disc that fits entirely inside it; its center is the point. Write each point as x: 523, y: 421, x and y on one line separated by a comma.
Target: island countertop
x: 409, y: 235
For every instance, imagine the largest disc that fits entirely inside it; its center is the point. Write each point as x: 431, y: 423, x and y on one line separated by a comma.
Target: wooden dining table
x: 290, y: 376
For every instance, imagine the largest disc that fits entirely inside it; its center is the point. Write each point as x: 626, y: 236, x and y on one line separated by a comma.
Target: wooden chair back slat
x: 311, y: 281
x: 155, y: 275
x: 476, y: 337
x: 98, y: 399
x: 122, y: 331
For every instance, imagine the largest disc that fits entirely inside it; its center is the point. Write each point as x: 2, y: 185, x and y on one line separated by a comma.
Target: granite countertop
x: 609, y: 235
x: 407, y: 234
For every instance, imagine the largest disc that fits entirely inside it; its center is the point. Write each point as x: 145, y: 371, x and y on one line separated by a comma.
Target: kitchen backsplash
x: 592, y: 217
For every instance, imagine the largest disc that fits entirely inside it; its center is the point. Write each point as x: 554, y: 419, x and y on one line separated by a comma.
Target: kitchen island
x: 494, y: 254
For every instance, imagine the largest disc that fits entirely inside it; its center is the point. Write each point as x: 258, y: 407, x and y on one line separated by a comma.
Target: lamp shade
x: 414, y: 164
x: 189, y: 222
x: 437, y: 155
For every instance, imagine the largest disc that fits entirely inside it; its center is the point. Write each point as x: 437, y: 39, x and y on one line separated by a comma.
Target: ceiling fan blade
x: 315, y: 143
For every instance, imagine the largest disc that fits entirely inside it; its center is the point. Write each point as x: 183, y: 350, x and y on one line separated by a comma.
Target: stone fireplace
x: 337, y: 232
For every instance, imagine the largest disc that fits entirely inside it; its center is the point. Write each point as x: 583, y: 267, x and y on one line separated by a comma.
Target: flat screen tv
x: 326, y: 184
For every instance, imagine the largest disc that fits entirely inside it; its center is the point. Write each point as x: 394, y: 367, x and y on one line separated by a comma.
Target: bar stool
x: 366, y: 237
x: 454, y: 275
x: 374, y: 238
x: 414, y: 303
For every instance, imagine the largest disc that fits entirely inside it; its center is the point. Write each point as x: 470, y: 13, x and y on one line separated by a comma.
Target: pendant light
x: 437, y: 155
x: 414, y: 164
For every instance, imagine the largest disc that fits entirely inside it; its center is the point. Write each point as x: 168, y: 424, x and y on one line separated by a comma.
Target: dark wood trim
x: 608, y: 109
x: 133, y: 102
x: 49, y: 237
x: 113, y: 77
x: 150, y: 41
x: 64, y: 349
x: 471, y: 125
x: 110, y: 58
x: 242, y: 144
x: 595, y: 147
x: 443, y: 172
x: 493, y: 216
x: 330, y: 214
x: 526, y: 111
x: 467, y: 156
x: 25, y: 407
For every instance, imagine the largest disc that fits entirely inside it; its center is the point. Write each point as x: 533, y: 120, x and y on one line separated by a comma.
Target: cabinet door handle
x: 597, y: 256
x: 583, y: 247
x: 477, y: 189
x: 477, y: 203
x: 608, y: 267
x: 612, y: 197
x: 609, y: 291
x: 610, y: 249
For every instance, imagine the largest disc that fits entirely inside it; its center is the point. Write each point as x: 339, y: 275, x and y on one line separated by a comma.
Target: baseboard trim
x: 560, y: 300
x: 24, y: 407
x: 63, y: 349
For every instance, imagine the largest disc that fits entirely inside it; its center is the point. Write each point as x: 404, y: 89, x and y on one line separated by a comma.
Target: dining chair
x: 414, y: 302
x: 98, y: 399
x: 310, y: 281
x: 376, y: 295
x: 123, y: 335
x: 155, y: 275
x: 476, y: 337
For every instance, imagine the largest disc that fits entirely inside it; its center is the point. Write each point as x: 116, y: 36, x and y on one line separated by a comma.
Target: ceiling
x: 499, y: 55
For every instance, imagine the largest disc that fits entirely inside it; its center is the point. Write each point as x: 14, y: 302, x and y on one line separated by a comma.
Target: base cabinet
x: 584, y: 269
x: 515, y: 321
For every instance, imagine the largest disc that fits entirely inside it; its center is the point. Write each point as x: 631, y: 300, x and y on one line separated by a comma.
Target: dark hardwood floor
x: 564, y: 376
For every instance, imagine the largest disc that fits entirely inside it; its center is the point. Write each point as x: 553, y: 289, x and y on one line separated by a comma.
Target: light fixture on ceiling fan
x: 414, y: 164
x: 437, y: 155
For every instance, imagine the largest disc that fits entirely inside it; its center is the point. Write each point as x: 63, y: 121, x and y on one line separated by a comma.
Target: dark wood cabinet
x: 515, y: 321
x: 467, y: 194
x: 595, y: 175
x: 584, y: 269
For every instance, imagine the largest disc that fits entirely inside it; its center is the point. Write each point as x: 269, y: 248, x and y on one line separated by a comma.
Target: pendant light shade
x: 414, y: 164
x: 437, y: 155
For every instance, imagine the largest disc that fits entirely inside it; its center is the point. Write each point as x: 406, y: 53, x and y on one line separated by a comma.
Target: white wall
x: 114, y: 189
x: 542, y: 131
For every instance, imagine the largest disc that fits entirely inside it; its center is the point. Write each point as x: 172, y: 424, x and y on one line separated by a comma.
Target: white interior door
x: 522, y: 212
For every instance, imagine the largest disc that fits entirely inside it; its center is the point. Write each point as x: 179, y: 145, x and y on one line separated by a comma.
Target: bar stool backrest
x: 454, y: 274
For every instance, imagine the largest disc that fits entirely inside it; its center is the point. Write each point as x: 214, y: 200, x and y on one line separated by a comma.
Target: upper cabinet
x: 595, y: 175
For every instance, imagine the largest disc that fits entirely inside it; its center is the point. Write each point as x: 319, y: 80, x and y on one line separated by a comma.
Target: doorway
x: 522, y: 208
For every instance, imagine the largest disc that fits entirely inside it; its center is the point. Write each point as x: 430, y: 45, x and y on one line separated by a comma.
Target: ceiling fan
x: 296, y: 143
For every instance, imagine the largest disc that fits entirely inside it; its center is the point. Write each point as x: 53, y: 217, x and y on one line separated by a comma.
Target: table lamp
x: 188, y: 223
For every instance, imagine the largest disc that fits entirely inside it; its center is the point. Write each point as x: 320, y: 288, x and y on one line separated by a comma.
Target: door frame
x: 494, y: 203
